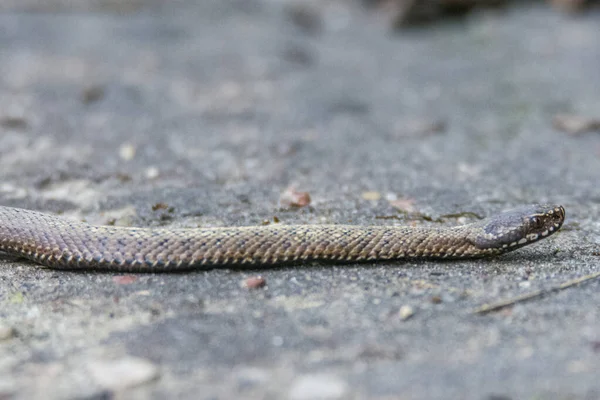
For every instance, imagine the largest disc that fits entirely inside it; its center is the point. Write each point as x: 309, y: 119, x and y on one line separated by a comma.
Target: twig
x: 486, y: 308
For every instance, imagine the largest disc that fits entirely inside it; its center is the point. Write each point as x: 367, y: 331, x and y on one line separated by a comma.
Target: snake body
x: 60, y: 243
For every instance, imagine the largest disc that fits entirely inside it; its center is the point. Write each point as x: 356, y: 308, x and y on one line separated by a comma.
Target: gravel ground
x: 203, y: 114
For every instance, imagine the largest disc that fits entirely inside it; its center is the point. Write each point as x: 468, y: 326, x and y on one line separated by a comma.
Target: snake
x: 61, y: 243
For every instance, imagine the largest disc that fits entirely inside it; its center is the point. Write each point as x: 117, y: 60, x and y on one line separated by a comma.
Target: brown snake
x: 60, y: 243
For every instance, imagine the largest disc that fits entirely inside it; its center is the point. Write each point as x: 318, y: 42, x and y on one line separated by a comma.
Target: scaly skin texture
x: 61, y: 243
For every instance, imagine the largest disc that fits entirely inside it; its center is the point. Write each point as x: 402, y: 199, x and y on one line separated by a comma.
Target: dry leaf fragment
x: 403, y: 204
x: 160, y: 206
x: 373, y: 196
x: 92, y: 94
x: 255, y: 282
x: 570, y: 6
x: 293, y: 198
x: 16, y: 123
x: 419, y: 127
x: 124, y: 279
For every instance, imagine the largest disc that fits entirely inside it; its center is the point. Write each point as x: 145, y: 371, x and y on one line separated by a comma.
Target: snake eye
x: 536, y: 223
x: 557, y: 217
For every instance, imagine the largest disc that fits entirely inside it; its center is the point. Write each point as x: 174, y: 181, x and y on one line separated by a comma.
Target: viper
x: 61, y: 243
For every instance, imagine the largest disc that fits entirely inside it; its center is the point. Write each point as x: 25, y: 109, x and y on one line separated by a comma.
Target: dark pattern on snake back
x: 60, y: 243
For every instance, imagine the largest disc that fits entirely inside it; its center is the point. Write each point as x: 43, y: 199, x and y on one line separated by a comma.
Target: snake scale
x: 60, y: 243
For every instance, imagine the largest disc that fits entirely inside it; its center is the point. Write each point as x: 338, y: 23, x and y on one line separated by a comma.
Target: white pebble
x: 122, y: 373
x: 152, y: 173
x: 406, y: 312
x: 323, y: 387
x: 277, y: 341
x: 127, y: 151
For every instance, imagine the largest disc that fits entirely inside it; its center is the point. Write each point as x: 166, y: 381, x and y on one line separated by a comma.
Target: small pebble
x: 406, y: 312
x: 321, y: 386
x: 16, y: 298
x: 7, y: 332
x: 152, y: 173
x: 277, y: 341
x: 123, y: 178
x: 92, y: 94
x: 127, y: 151
x: 252, y: 376
x: 306, y: 18
x: 122, y: 373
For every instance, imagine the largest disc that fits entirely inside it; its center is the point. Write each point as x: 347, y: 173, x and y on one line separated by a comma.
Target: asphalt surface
x: 204, y: 114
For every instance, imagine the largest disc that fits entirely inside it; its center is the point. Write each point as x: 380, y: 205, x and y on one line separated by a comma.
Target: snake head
x: 516, y: 228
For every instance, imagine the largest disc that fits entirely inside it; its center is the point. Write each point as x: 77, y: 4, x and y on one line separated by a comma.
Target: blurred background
x: 255, y: 112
